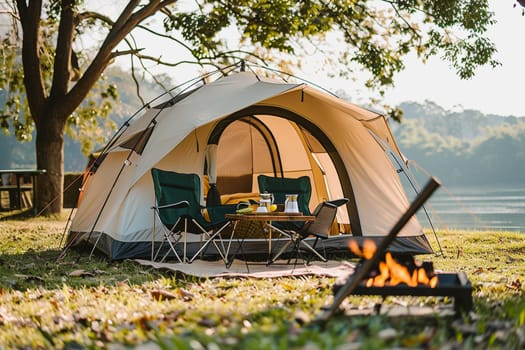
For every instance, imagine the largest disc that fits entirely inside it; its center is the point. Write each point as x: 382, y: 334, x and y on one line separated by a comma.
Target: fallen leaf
x: 186, y: 296
x: 516, y: 284
x: 288, y: 286
x: 160, y: 294
x: 81, y: 273
x: 55, y: 304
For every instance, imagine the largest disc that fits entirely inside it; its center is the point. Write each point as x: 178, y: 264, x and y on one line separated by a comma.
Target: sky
x: 492, y: 90
x: 497, y: 90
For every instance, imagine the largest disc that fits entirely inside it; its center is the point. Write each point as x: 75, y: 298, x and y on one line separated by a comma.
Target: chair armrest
x: 181, y: 204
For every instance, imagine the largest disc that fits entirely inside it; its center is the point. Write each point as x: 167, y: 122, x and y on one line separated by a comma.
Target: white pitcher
x: 290, y: 204
x: 265, y: 202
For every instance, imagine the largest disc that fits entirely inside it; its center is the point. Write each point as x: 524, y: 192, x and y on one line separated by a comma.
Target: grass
x: 81, y: 303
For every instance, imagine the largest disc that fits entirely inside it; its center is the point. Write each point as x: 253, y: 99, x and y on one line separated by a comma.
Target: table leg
x: 228, y: 263
x: 239, y: 247
x: 18, y: 193
x: 34, y: 195
x: 271, y: 259
x: 269, y: 225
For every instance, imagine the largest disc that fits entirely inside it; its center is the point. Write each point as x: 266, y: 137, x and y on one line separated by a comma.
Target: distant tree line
x: 463, y: 148
x: 460, y: 148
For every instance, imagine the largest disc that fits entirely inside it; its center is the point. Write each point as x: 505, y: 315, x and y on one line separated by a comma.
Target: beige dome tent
x: 243, y: 126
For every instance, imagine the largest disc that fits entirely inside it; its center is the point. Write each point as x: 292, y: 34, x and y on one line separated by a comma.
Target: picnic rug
x: 337, y: 269
x: 240, y: 268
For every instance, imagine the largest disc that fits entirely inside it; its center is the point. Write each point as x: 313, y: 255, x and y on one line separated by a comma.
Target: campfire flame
x: 391, y: 272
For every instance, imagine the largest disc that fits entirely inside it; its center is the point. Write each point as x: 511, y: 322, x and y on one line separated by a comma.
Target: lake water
x: 485, y: 208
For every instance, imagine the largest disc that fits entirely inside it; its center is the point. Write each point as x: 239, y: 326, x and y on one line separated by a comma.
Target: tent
x: 232, y: 130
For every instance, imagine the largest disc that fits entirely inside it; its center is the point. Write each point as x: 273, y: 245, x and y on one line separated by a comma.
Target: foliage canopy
x: 66, y: 45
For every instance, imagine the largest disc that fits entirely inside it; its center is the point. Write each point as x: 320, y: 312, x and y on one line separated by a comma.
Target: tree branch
x: 126, y: 22
x: 94, y: 15
x: 418, y: 9
x: 207, y: 60
x: 135, y: 80
x: 133, y: 75
x: 11, y: 13
x: 125, y: 15
x: 169, y: 37
x: 116, y: 54
x: 408, y: 25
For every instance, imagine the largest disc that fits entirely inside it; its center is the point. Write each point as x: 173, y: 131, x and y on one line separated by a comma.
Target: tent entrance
x: 277, y: 142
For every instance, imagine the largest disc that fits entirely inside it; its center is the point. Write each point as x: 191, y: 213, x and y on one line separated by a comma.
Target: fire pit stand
x: 355, y: 280
x: 453, y: 285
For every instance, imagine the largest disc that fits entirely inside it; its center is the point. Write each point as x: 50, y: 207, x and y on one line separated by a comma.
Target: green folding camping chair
x: 177, y: 196
x: 281, y: 186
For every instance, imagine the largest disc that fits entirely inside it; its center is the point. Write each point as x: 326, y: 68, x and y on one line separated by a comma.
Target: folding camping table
x: 267, y: 219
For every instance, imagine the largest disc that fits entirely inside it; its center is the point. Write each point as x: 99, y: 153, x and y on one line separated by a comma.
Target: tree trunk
x: 50, y: 157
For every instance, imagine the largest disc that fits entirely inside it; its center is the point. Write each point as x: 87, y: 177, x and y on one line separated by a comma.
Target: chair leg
x: 280, y: 252
x: 240, y: 242
x: 168, y: 234
x: 313, y: 246
x: 313, y: 250
x: 167, y: 237
x: 172, y: 247
x: 297, y: 251
x: 211, y: 239
x: 223, y: 252
x: 324, y: 248
x: 291, y: 236
x: 227, y: 251
x: 297, y: 241
x: 185, y: 249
